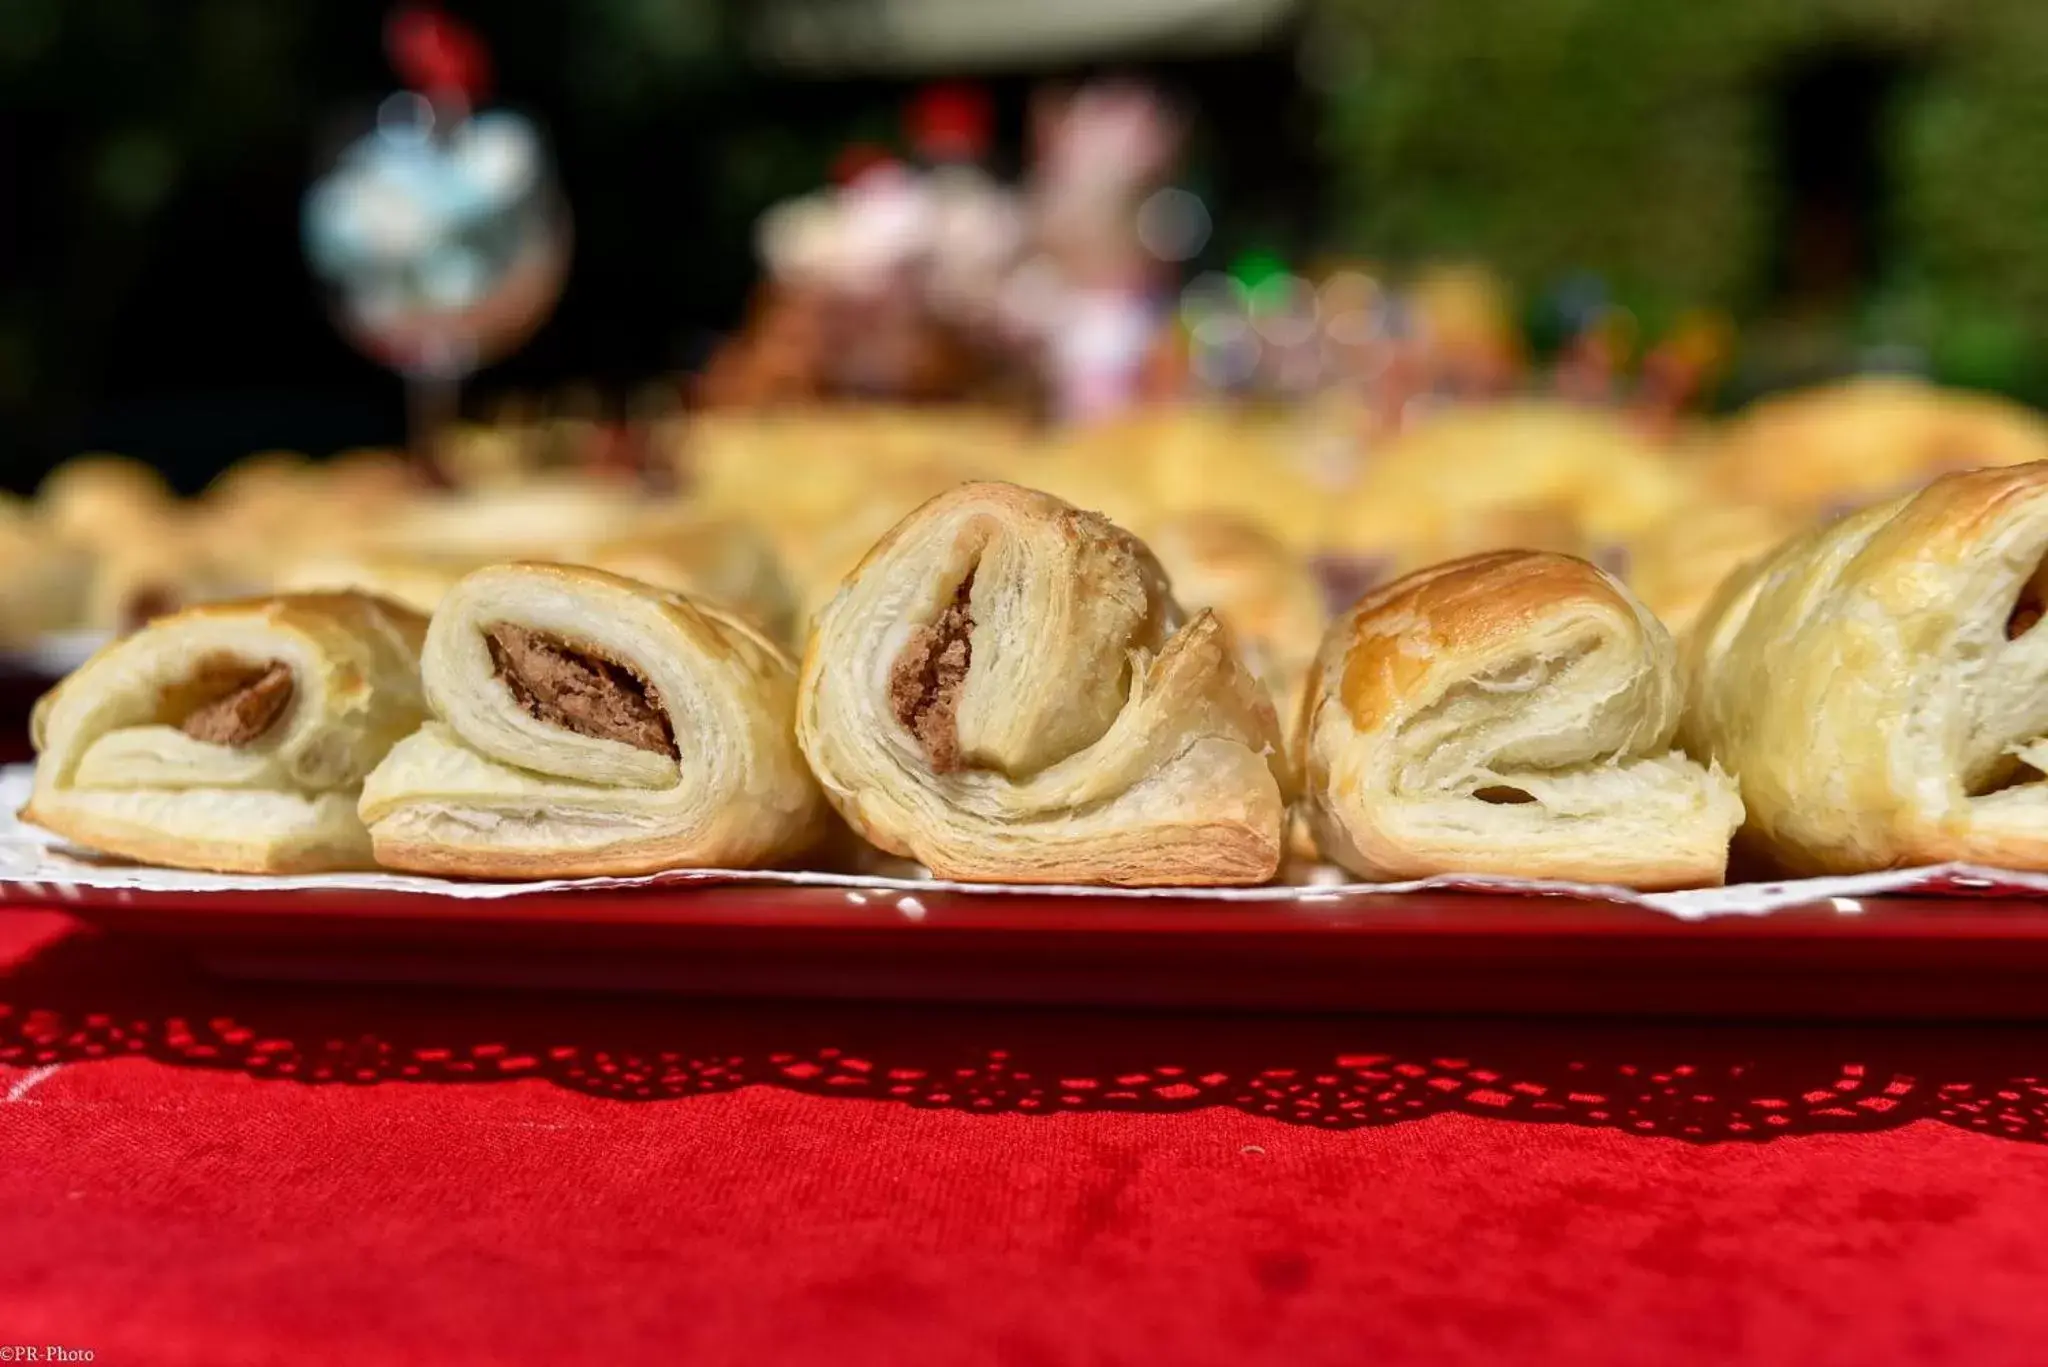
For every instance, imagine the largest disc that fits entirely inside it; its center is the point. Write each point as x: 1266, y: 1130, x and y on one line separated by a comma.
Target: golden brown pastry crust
x: 524, y: 779
x: 1879, y: 686
x: 1091, y: 736
x: 1507, y: 714
x: 121, y: 769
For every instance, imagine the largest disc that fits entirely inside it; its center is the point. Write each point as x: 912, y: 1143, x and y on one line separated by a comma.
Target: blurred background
x: 1306, y: 292
x: 1851, y: 185
x: 154, y: 154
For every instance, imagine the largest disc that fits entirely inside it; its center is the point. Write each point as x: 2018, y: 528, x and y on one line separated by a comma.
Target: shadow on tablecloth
x: 88, y: 997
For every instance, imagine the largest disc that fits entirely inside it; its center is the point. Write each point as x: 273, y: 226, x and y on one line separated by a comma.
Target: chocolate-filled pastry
x: 1004, y: 690
x: 588, y: 724
x: 1880, y: 684
x: 231, y: 737
x: 1508, y: 714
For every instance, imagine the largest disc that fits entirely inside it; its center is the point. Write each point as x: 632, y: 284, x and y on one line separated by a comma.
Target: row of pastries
x: 1005, y: 687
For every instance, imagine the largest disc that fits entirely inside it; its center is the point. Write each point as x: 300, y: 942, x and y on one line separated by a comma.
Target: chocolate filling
x: 925, y: 682
x: 247, y: 702
x: 570, y: 686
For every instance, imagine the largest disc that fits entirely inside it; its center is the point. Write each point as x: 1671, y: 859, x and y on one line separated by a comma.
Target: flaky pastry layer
x: 1005, y: 691
x: 1512, y: 714
x: 1880, y: 685
x: 233, y: 736
x: 588, y: 724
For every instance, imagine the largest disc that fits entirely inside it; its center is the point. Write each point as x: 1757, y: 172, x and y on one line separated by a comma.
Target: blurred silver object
x: 443, y: 241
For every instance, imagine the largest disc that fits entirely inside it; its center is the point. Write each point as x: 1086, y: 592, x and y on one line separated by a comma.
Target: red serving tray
x: 1880, y: 957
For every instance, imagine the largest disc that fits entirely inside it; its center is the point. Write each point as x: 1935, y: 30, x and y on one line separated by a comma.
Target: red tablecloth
x: 208, y: 1174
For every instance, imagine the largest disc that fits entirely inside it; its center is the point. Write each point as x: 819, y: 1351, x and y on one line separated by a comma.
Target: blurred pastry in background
x: 43, y: 578
x: 1195, y: 459
x: 418, y: 559
x: 264, y: 482
x: 273, y: 507
x: 1675, y: 566
x: 152, y: 577
x: 418, y: 581
x: 479, y: 456
x: 1264, y: 593
x: 807, y: 465
x: 1528, y: 453
x: 1090, y: 469
x: 1453, y: 534
x: 1842, y: 445
x: 541, y: 520
x: 370, y: 478
x: 722, y: 561
x: 101, y: 500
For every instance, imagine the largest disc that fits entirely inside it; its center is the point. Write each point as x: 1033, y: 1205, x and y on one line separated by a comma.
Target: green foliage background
x: 1634, y: 138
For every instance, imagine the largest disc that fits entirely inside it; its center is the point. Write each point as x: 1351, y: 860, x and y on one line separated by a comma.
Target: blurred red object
x: 437, y: 55
x: 951, y: 123
x: 1682, y: 369
x: 859, y: 160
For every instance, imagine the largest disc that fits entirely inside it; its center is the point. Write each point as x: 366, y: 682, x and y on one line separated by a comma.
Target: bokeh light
x: 1284, y: 310
x: 1212, y: 294
x: 1351, y: 305
x: 1224, y: 351
x: 1173, y: 224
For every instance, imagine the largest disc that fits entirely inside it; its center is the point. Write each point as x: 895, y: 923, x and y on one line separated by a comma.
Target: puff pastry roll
x: 1004, y: 690
x: 1880, y: 684
x: 590, y: 724
x: 1513, y: 714
x: 233, y: 736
